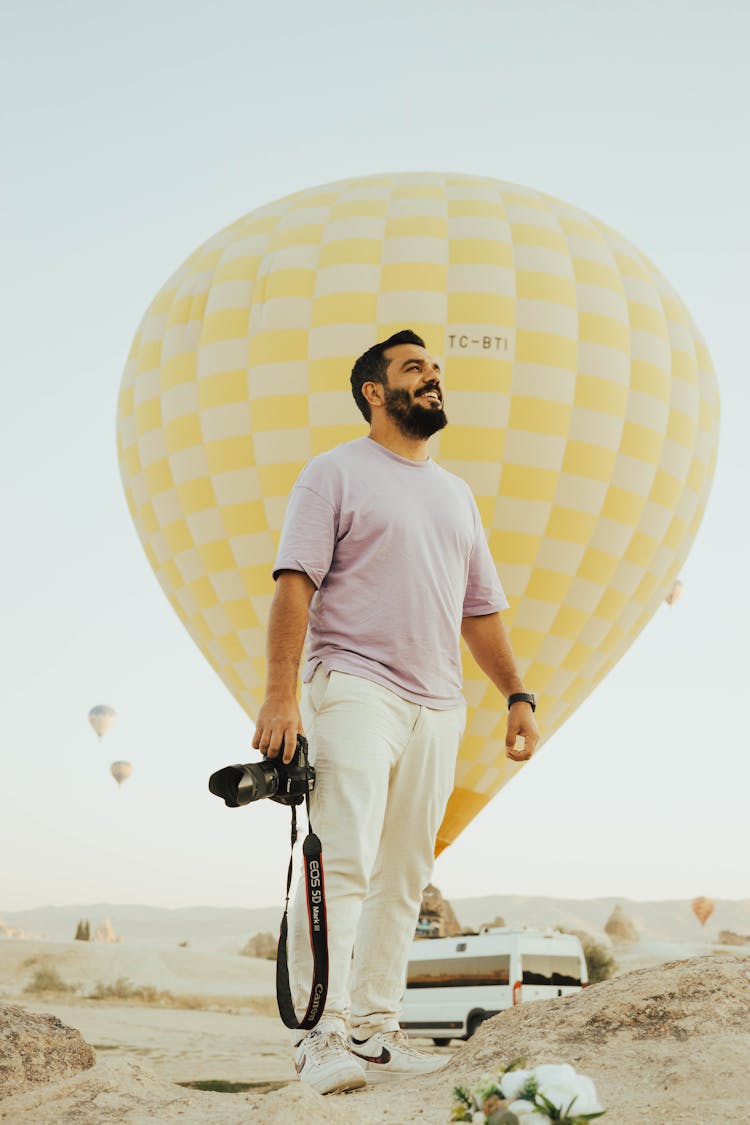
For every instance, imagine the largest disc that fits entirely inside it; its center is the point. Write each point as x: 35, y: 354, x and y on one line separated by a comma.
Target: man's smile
x: 431, y: 393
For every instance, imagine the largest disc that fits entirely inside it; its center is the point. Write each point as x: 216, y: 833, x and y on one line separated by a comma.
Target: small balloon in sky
x: 102, y: 718
x: 703, y: 908
x: 676, y: 592
x: 121, y: 771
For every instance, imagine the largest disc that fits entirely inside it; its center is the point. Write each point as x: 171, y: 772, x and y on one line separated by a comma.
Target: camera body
x: 284, y: 783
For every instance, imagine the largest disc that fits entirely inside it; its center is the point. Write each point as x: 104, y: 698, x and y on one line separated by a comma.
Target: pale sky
x: 130, y: 134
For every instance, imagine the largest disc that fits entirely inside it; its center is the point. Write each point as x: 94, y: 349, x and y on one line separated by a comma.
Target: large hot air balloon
x: 582, y: 403
x: 703, y: 908
x: 121, y: 771
x: 102, y: 718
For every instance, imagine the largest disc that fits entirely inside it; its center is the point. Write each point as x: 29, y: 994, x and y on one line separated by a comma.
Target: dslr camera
x: 270, y: 777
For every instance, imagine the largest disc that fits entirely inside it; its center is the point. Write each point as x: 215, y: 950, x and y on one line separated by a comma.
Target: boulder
x: 35, y: 1049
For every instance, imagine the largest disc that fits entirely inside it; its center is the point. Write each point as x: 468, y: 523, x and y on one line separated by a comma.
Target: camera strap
x: 312, y: 858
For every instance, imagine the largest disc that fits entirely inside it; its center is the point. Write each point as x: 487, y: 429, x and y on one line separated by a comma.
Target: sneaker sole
x: 342, y: 1084
x: 379, y: 1073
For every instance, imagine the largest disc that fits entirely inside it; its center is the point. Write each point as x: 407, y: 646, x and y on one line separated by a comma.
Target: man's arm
x: 488, y: 643
x: 279, y: 720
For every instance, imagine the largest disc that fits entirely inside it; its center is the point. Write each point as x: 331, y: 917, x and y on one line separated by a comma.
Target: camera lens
x: 242, y: 784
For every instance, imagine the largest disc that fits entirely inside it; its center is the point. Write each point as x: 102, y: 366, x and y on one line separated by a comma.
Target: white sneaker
x: 323, y: 1060
x: 389, y: 1053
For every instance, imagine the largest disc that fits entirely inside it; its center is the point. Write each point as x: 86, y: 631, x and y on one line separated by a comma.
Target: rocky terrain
x: 666, y: 1045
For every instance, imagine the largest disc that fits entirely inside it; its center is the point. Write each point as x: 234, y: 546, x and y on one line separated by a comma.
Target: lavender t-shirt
x: 398, y: 554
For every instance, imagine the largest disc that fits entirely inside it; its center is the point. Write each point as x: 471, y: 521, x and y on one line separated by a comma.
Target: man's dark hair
x: 372, y: 365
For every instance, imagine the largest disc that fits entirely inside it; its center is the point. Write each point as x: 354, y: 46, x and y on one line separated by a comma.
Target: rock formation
x: 261, y: 945
x: 9, y: 931
x: 105, y: 931
x: 656, y: 1040
x: 620, y: 928
x: 35, y: 1049
x: 668, y: 1044
x: 497, y: 924
x: 728, y: 937
x: 436, y: 915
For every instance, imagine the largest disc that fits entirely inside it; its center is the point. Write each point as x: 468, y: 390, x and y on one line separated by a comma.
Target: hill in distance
x: 228, y: 928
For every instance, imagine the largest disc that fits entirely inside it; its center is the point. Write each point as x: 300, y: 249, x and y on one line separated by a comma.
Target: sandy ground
x: 666, y: 1045
x: 184, y: 1046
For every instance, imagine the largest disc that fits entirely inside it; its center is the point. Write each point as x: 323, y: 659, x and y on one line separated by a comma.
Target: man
x: 383, y: 562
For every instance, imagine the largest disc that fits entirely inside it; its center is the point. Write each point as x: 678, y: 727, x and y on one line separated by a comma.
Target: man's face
x: 414, y: 391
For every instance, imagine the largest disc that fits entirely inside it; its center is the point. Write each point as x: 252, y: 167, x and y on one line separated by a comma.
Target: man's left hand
x: 521, y: 723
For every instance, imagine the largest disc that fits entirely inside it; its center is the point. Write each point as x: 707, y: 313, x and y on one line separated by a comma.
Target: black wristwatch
x: 522, y: 697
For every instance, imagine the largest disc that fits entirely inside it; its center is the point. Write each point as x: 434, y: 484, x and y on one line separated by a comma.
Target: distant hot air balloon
x: 703, y: 908
x: 102, y: 718
x: 677, y: 587
x: 121, y: 771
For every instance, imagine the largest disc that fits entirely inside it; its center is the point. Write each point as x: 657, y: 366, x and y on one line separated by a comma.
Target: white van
x: 453, y: 984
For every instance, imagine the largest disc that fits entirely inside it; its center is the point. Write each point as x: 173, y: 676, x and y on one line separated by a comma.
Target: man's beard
x: 413, y: 419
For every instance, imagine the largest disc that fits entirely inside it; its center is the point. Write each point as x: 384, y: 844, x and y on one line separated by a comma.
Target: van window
x: 459, y: 972
x: 548, y: 969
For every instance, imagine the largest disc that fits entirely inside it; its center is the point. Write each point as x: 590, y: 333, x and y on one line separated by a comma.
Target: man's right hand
x: 278, y: 723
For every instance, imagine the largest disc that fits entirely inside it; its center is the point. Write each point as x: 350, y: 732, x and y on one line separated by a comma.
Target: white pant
x: 385, y: 770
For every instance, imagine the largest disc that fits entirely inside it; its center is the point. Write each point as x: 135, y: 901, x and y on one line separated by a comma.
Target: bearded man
x: 383, y: 563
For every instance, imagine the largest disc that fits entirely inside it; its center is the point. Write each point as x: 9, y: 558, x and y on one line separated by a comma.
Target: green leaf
x: 547, y: 1107
x: 463, y: 1095
x: 529, y: 1089
x: 562, y: 1116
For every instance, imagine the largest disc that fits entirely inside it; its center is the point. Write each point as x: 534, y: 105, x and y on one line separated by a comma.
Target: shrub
x: 47, y: 979
x: 123, y: 989
x: 600, y: 963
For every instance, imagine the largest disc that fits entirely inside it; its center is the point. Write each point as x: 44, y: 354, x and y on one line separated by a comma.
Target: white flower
x: 554, y: 1073
x: 562, y: 1088
x: 478, y: 1118
x: 561, y: 1096
x: 588, y: 1100
x: 525, y: 1112
x: 513, y: 1081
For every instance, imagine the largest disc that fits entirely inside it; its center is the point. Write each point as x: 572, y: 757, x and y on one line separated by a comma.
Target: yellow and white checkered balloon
x: 582, y: 402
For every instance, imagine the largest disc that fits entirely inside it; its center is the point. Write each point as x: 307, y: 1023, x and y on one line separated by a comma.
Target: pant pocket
x: 317, y: 688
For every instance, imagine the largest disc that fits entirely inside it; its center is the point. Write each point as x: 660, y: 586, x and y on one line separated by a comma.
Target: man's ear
x: 373, y: 393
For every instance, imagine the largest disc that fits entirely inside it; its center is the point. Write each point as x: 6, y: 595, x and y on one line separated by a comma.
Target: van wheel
x: 441, y: 1042
x: 473, y: 1023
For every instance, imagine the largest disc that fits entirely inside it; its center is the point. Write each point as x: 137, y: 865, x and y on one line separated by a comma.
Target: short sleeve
x: 484, y: 593
x: 308, y: 535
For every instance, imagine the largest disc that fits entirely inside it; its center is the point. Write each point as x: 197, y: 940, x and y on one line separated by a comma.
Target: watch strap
x: 522, y: 697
